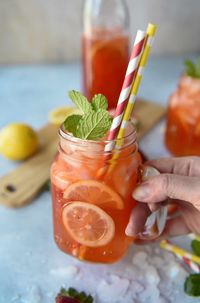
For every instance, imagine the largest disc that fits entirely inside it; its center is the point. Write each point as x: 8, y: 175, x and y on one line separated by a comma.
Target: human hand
x: 179, y: 183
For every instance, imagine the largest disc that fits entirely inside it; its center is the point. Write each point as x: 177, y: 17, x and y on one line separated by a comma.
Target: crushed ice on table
x: 146, y: 274
x: 113, y: 290
x: 33, y: 295
x: 68, y: 272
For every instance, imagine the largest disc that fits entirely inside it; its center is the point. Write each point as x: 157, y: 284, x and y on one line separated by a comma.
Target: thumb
x: 163, y: 186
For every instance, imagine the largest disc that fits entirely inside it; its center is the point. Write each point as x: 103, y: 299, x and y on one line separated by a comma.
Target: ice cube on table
x: 136, y: 288
x: 163, y: 300
x: 174, y: 270
x: 156, y: 261
x: 151, y: 275
x: 151, y: 294
x: 139, y: 258
x: 113, y: 290
x: 68, y: 272
x: 33, y: 295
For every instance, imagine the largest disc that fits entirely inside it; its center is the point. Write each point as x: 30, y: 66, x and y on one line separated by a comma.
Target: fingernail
x: 149, y: 172
x: 128, y: 230
x: 153, y: 207
x: 142, y: 192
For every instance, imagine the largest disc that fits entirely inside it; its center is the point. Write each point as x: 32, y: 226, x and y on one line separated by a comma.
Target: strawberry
x: 73, y: 296
x: 63, y: 299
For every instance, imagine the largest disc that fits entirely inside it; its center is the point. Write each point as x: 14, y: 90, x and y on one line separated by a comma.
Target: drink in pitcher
x: 105, y: 48
x: 105, y: 59
x: 92, y: 198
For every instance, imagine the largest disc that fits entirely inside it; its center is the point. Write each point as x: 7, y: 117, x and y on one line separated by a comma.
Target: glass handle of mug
x: 154, y: 224
x: 156, y: 221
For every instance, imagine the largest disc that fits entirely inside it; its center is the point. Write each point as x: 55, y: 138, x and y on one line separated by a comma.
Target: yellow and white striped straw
x: 179, y: 251
x: 151, y: 30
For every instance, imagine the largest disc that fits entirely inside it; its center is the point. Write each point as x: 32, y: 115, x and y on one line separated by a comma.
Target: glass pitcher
x: 105, y: 48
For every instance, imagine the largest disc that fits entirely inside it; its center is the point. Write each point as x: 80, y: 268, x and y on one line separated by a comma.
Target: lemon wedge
x: 58, y: 115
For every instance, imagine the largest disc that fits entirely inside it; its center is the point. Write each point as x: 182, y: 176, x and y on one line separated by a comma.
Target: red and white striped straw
x: 126, y: 87
x: 187, y: 258
x: 190, y: 264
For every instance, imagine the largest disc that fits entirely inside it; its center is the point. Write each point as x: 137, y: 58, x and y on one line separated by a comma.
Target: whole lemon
x: 18, y: 141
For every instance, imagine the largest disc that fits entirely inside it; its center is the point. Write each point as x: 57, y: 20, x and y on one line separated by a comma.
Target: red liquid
x: 183, y: 119
x: 70, y: 169
x: 105, y: 59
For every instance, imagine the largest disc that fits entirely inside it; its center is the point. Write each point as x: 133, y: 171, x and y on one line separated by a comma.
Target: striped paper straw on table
x: 194, y: 237
x: 193, y: 266
x: 151, y: 29
x: 179, y: 251
x: 126, y: 87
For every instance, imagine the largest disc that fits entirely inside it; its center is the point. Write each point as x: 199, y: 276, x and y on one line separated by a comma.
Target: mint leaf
x: 81, y: 101
x: 47, y: 185
x: 198, y: 68
x: 71, y: 123
x: 95, y: 121
x: 99, y: 101
x: 94, y: 125
x: 190, y: 68
x: 192, y: 285
x: 196, y: 247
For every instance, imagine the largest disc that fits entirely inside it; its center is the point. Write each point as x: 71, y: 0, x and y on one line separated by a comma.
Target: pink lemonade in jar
x: 182, y: 135
x: 90, y: 212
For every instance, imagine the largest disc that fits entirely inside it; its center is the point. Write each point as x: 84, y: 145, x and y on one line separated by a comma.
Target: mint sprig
x: 192, y: 282
x: 72, y: 121
x: 93, y: 125
x: 95, y: 121
x: 192, y: 285
x: 81, y: 101
x: 195, y: 244
x: 192, y: 69
x: 99, y: 101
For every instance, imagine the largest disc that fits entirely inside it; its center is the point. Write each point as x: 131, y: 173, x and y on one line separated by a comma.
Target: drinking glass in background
x: 182, y: 135
x: 105, y: 48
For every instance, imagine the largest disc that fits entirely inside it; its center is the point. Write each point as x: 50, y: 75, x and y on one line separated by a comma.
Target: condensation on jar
x: 92, y: 200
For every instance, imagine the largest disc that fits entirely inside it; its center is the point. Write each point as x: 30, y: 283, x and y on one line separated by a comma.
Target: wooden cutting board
x: 23, y: 184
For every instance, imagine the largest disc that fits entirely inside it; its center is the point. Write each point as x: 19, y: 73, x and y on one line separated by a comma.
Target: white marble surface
x: 32, y: 269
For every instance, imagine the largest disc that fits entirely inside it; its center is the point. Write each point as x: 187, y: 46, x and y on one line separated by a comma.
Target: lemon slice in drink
x: 88, y: 224
x: 94, y: 192
x: 58, y: 115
